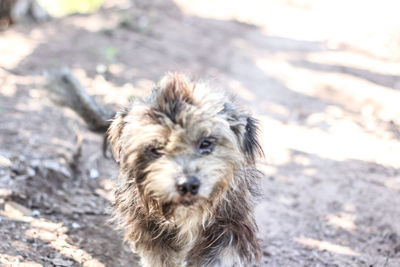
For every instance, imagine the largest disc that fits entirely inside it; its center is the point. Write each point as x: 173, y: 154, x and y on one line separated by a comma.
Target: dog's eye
x: 155, y: 151
x: 206, y: 146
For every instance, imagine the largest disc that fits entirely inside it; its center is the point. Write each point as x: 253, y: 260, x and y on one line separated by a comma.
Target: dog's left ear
x: 246, y: 130
x: 114, y: 133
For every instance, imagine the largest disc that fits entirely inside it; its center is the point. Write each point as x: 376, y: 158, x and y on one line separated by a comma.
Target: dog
x: 187, y: 178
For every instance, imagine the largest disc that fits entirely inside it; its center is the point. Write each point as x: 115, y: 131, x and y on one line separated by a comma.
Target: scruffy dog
x: 187, y: 177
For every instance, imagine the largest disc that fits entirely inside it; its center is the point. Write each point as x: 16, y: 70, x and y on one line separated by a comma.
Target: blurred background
x: 323, y: 78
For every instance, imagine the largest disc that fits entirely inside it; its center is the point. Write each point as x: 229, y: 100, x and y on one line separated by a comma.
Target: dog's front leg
x: 229, y: 257
x: 152, y: 259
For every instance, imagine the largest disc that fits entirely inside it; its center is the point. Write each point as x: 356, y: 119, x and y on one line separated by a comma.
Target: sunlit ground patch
x: 53, y: 233
x: 323, y: 245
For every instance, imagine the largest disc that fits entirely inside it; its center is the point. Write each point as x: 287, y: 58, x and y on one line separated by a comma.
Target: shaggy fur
x: 186, y: 131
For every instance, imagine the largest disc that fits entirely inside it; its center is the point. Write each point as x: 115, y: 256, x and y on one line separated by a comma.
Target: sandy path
x: 327, y: 96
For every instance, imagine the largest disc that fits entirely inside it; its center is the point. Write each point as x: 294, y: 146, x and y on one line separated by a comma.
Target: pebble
x: 94, y: 174
x: 36, y: 213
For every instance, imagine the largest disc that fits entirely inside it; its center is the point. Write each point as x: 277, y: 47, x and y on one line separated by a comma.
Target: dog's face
x: 182, y: 147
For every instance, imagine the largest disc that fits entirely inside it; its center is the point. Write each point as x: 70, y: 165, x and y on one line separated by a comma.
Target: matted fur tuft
x: 184, y: 131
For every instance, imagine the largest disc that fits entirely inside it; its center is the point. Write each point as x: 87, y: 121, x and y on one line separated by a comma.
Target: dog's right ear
x: 245, y: 127
x: 114, y: 133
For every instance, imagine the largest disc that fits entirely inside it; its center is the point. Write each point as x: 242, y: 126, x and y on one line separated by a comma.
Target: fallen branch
x: 66, y: 90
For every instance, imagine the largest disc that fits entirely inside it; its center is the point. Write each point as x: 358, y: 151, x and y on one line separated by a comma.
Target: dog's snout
x: 189, y: 185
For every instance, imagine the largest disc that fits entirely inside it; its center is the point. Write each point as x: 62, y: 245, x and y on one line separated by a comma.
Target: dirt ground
x: 326, y: 91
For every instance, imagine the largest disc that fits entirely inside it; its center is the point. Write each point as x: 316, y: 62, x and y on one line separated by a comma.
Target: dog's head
x: 183, y: 146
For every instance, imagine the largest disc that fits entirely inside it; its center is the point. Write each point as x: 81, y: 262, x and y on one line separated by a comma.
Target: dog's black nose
x: 189, y: 185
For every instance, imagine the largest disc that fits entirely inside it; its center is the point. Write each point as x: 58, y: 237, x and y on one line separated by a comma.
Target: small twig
x: 386, y: 262
x: 10, y: 71
x: 77, y: 155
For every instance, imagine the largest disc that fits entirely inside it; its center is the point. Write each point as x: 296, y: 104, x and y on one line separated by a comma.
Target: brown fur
x: 159, y: 141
